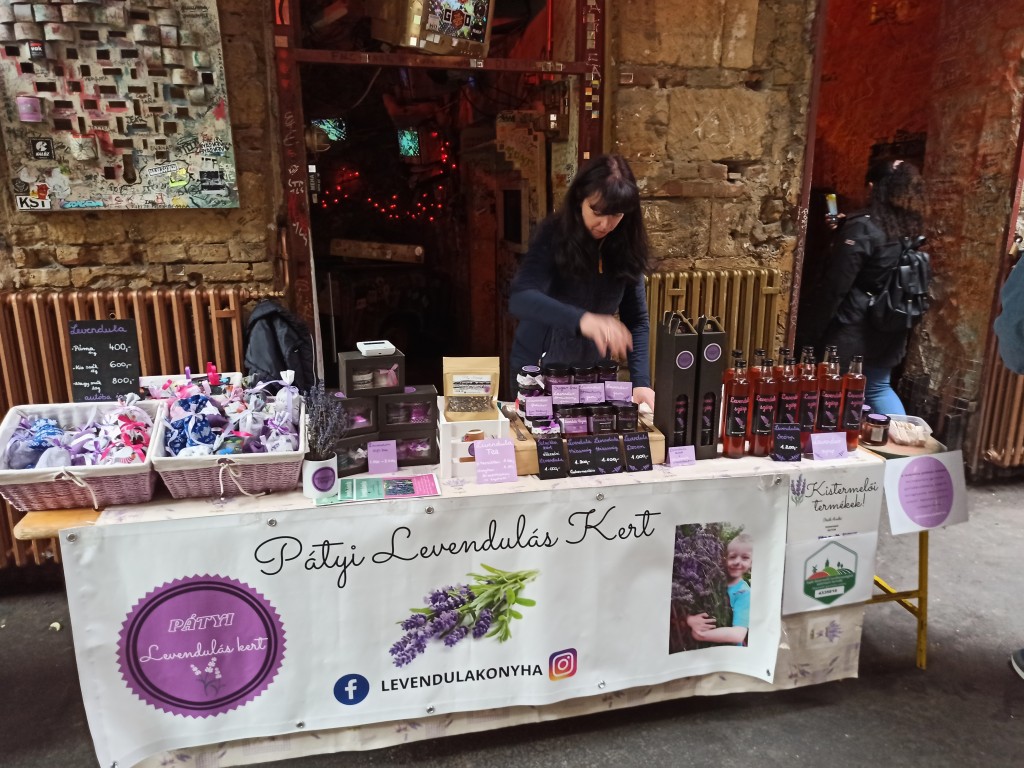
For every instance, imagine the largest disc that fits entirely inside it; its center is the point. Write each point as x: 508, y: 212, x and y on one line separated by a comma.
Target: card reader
x: 375, y: 348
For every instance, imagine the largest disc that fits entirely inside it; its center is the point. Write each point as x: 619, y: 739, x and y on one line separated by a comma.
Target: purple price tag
x: 495, y: 461
x: 565, y: 394
x: 537, y: 406
x: 591, y: 393
x: 618, y: 390
x: 828, y: 445
x: 381, y: 457
x: 681, y: 456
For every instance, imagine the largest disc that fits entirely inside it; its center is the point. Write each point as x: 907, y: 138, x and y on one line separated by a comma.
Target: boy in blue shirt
x: 738, y: 557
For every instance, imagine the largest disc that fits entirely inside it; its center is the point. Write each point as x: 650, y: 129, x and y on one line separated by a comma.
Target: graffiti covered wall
x: 116, y: 104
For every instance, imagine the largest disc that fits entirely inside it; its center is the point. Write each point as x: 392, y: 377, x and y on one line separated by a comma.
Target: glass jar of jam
x: 626, y: 415
x: 574, y: 421
x: 584, y: 374
x: 876, y: 430
x: 602, y: 419
x: 556, y: 373
x: 607, y: 370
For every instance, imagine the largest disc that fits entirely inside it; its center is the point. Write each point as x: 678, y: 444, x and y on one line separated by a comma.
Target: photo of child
x: 710, y: 604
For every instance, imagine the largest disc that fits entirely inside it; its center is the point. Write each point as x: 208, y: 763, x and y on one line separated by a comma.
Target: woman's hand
x: 611, y: 337
x: 643, y: 395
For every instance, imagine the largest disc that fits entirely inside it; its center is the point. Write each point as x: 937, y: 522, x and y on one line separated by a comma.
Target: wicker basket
x: 240, y: 473
x: 70, y: 487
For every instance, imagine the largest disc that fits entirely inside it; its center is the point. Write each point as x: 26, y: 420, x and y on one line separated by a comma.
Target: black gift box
x: 352, y: 454
x: 675, y: 376
x: 414, y: 408
x: 707, y: 419
x: 360, y: 375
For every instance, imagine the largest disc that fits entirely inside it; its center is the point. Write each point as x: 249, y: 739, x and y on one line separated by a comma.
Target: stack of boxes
x: 379, y: 406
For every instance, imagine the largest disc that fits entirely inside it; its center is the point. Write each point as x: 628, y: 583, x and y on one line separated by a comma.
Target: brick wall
x: 137, y: 249
x: 973, y: 126
x: 710, y: 108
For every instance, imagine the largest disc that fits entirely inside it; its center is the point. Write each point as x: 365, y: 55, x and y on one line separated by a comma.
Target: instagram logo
x: 562, y: 664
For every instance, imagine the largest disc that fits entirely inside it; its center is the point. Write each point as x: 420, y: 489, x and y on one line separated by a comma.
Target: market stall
x: 230, y: 621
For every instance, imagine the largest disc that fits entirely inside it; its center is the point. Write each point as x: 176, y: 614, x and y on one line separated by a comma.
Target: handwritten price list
x: 104, y: 359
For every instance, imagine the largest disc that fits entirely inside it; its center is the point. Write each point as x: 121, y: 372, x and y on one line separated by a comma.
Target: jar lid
x: 579, y: 368
x: 865, y: 410
x: 530, y: 370
x: 624, y: 405
x: 602, y: 410
x: 610, y: 366
x: 556, y: 369
x: 878, y: 419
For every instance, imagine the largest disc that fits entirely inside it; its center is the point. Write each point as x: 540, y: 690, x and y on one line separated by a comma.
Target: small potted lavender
x: 326, y: 421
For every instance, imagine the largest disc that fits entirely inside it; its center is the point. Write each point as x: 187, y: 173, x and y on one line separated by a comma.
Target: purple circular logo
x: 712, y: 352
x: 926, y: 492
x: 323, y: 479
x: 201, y: 646
x: 684, y: 360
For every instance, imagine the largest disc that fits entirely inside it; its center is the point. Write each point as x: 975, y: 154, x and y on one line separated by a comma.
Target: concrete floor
x: 966, y: 709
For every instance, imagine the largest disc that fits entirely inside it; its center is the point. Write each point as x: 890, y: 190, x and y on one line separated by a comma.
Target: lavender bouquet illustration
x: 484, y: 608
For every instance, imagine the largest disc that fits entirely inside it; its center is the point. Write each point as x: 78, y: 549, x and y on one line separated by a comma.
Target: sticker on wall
x: 115, y: 97
x: 201, y: 646
x: 42, y: 149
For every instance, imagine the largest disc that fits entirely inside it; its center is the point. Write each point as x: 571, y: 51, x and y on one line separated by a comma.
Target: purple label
x: 382, y: 456
x: 618, y: 390
x: 592, y: 393
x: 565, y: 394
x: 712, y: 352
x: 681, y: 456
x: 537, y: 406
x: 684, y: 360
x: 574, y: 425
x: 201, y: 646
x: 828, y: 445
x: 495, y: 461
x: 926, y: 492
x: 323, y: 479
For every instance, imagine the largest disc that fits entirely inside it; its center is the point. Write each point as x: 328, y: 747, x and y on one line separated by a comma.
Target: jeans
x: 879, y: 394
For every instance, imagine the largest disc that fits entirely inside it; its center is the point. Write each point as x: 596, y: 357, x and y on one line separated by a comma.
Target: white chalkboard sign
x: 104, y: 359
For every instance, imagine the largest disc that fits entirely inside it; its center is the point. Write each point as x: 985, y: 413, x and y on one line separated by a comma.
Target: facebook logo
x: 351, y: 689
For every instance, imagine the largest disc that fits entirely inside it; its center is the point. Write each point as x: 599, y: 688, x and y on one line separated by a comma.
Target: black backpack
x: 902, y: 298
x: 277, y: 340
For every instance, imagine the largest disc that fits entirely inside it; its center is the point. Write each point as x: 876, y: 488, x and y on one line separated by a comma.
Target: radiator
x: 1000, y: 440
x: 745, y: 301
x: 177, y: 327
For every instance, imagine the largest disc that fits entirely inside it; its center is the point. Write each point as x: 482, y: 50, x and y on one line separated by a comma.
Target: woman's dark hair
x: 897, y: 198
x: 624, y: 250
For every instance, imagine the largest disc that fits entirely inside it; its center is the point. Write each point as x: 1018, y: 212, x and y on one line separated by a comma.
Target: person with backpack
x: 875, y: 283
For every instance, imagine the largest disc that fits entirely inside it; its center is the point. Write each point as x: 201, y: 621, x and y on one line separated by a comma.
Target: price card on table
x: 551, y: 462
x: 608, y: 454
x: 681, y: 456
x: 104, y: 359
x: 495, y: 461
x: 382, y: 456
x: 637, y: 446
x: 786, y: 442
x: 582, y: 461
x: 828, y: 445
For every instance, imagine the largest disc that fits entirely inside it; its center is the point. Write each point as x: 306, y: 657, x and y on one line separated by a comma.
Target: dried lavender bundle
x: 699, y: 580
x: 326, y: 421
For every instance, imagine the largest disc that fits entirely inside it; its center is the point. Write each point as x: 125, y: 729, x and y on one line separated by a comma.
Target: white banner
x: 205, y: 630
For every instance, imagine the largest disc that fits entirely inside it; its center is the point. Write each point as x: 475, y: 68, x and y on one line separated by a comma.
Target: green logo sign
x: 830, y: 573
